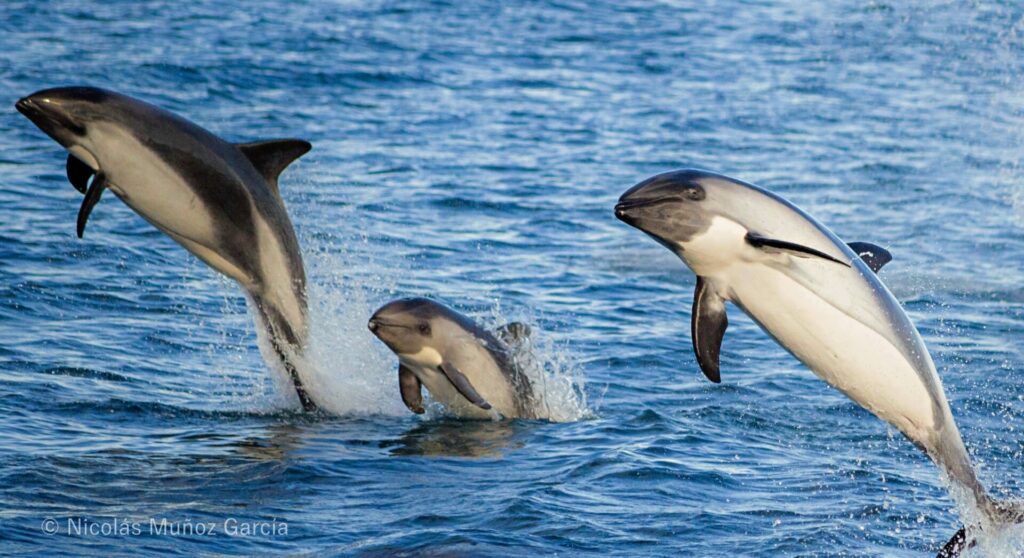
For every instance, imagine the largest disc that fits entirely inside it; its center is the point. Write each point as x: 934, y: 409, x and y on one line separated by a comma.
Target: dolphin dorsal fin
x: 513, y: 332
x: 270, y: 157
x: 873, y: 255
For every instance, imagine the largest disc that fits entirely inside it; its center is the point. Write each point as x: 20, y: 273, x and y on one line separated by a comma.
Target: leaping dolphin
x: 465, y: 367
x: 816, y: 296
x: 217, y: 199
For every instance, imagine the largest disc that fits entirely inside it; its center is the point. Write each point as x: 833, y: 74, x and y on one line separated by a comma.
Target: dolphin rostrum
x: 217, y: 199
x: 817, y: 296
x: 468, y: 369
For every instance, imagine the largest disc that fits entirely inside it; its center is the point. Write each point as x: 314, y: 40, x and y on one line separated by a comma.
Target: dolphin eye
x: 424, y: 329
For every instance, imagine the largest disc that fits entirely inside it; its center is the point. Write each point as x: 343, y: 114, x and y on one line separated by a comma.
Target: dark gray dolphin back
x: 225, y: 179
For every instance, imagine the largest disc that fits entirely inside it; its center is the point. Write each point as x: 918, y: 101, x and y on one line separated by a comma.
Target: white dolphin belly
x: 482, y: 373
x: 843, y: 351
x: 145, y: 182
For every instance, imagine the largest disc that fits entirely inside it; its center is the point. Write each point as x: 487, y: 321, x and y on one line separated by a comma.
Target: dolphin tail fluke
x: 955, y: 545
x: 287, y: 345
x: 999, y: 513
x: 284, y: 355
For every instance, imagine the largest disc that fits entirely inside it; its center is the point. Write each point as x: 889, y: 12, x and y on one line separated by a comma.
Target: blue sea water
x: 472, y: 152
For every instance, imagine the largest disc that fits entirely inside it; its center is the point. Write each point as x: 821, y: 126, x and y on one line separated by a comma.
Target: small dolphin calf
x: 217, y: 199
x: 815, y: 295
x: 464, y: 367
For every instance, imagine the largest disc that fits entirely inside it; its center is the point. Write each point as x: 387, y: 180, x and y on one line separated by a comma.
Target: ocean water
x: 472, y: 152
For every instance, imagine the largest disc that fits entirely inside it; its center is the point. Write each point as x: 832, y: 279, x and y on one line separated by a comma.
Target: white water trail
x: 353, y: 373
x: 350, y: 372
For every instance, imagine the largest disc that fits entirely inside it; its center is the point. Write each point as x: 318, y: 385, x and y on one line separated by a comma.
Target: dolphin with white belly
x: 217, y: 199
x: 816, y: 296
x: 466, y: 368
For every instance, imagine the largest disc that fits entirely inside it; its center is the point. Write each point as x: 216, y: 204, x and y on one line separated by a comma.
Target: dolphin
x: 464, y: 367
x: 817, y: 296
x: 217, y: 199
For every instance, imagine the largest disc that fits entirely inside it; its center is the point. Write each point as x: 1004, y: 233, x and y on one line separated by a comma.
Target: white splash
x: 991, y: 538
x: 559, y: 393
x: 352, y: 373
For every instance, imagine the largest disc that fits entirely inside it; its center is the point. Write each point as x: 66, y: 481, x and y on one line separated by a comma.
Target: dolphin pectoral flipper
x: 707, y: 327
x: 873, y: 255
x: 410, y: 387
x: 461, y: 383
x: 92, y: 197
x: 758, y: 241
x: 513, y: 332
x: 272, y: 156
x: 79, y: 173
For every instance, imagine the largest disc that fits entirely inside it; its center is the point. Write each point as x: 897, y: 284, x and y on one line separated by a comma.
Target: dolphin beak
x: 627, y: 202
x: 50, y: 116
x: 622, y: 211
x: 37, y: 105
x: 375, y: 325
x: 27, y: 107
